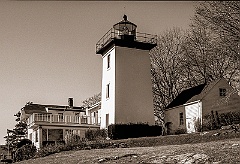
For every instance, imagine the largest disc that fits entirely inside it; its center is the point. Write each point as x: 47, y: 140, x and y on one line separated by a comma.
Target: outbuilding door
x: 193, y: 113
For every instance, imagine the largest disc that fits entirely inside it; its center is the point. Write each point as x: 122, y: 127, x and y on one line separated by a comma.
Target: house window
x: 181, y: 122
x: 30, y: 136
x: 107, y: 90
x: 222, y: 92
x: 108, y: 61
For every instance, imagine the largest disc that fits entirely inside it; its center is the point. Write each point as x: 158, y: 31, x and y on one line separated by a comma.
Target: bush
x: 72, y: 139
x: 229, y: 118
x: 180, y: 131
x: 197, y: 125
x: 25, y: 152
x: 51, y: 149
x: 124, y: 131
x: 98, y: 134
x: 213, y: 121
x: 24, y: 142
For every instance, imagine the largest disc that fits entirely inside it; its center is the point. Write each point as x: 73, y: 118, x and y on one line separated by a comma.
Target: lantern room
x: 124, y: 34
x: 125, y: 29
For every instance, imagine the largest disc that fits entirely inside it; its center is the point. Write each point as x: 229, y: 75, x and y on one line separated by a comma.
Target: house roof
x: 186, y: 95
x: 98, y: 104
x: 39, y: 108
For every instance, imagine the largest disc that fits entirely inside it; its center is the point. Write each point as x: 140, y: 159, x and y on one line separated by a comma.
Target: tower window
x: 107, y: 120
x: 107, y: 90
x: 108, y: 61
x: 181, y: 122
x: 222, y: 92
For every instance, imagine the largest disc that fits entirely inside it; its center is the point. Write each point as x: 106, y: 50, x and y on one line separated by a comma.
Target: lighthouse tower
x: 126, y: 78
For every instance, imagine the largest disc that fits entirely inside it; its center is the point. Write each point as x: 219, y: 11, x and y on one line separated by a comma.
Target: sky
x: 47, y: 48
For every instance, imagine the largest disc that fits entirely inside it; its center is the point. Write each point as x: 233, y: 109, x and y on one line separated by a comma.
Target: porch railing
x: 58, y: 118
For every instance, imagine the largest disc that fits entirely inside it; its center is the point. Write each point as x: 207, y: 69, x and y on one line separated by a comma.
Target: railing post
x: 33, y: 119
x: 96, y: 119
x: 50, y: 118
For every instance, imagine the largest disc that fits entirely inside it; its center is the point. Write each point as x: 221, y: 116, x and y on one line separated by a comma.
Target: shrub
x: 197, y: 125
x: 24, y: 142
x: 123, y: 131
x: 72, y: 139
x: 25, y: 152
x: 229, y: 118
x: 51, y: 149
x: 97, y: 134
x: 180, y: 131
x: 211, y: 121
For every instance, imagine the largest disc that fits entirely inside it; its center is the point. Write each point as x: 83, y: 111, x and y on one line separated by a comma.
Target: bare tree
x: 168, y: 75
x: 205, y: 58
x: 92, y: 100
x: 223, y: 18
x: 212, y: 43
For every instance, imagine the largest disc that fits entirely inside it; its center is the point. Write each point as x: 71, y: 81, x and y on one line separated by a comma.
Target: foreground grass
x: 224, y: 151
x: 215, y: 135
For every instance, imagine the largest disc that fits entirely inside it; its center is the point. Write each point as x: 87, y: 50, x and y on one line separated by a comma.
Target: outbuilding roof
x: 193, y: 94
x: 186, y: 95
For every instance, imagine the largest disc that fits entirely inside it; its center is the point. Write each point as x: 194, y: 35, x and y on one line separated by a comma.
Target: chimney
x: 70, y: 102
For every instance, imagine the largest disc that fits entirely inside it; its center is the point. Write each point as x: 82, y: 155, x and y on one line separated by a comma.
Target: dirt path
x: 226, y: 151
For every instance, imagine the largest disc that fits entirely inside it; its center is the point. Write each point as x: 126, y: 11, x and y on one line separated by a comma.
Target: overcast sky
x: 47, y: 48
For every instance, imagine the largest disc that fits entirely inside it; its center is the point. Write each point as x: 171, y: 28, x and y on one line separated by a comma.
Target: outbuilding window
x: 181, y: 122
x: 222, y: 92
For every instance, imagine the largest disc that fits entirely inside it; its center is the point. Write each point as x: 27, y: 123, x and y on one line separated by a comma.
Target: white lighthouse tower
x: 126, y: 78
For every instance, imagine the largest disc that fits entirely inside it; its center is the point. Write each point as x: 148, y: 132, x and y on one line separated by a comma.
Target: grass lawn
x: 216, y: 146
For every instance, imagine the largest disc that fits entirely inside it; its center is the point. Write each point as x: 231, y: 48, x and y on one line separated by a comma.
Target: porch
x: 58, y: 119
x: 51, y: 135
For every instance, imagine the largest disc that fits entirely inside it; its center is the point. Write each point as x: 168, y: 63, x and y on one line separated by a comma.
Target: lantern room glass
x: 125, y: 27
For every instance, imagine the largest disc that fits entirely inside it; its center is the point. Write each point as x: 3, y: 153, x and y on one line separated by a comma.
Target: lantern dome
x: 125, y: 27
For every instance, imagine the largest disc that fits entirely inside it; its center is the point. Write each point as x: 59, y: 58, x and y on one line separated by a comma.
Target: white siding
x: 108, y: 77
x: 129, y: 76
x: 172, y: 119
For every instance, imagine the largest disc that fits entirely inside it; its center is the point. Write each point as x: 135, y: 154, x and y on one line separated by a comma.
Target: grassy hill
x: 224, y: 151
x: 212, y: 147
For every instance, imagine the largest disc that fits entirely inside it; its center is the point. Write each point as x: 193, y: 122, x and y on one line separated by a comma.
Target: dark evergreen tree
x: 17, y: 134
